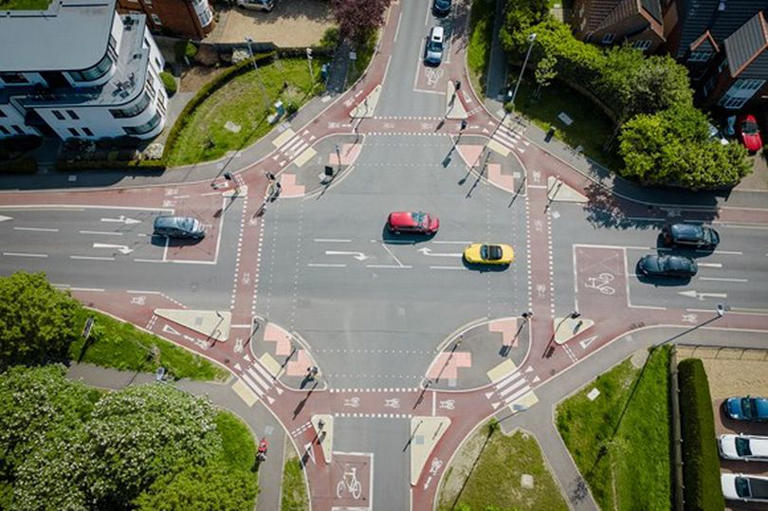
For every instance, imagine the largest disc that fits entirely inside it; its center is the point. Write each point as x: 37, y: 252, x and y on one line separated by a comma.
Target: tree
x: 358, y: 18
x: 672, y: 147
x: 37, y: 321
x: 211, y: 487
x: 519, y: 16
x: 142, y: 433
x: 545, y: 72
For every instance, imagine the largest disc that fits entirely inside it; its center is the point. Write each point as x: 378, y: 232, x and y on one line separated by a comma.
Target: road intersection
x: 414, y: 347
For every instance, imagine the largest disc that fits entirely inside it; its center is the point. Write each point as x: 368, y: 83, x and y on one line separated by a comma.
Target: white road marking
x: 452, y: 242
x: 95, y: 289
x: 397, y: 30
x: 326, y: 265
x: 710, y: 265
x: 728, y: 252
x: 427, y: 252
x: 101, y: 233
x: 23, y: 254
x: 384, y: 245
x: 92, y: 258
x: 4, y: 218
x: 138, y: 260
x: 446, y: 268
x: 122, y: 219
x: 357, y: 255
x: 123, y: 249
x: 392, y: 266
x: 723, y: 279
x: 40, y: 229
x: 330, y: 240
x: 692, y: 293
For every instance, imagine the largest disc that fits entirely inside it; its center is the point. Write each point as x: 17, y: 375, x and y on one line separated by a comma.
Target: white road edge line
x: 92, y: 258
x: 330, y: 240
x: 397, y: 30
x: 446, y: 267
x: 101, y: 233
x: 40, y: 229
x: 392, y: 266
x: 326, y: 265
x: 723, y: 279
x: 96, y: 289
x: 23, y: 254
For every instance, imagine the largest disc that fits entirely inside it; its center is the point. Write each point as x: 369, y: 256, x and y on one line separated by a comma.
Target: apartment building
x: 192, y: 19
x: 79, y: 70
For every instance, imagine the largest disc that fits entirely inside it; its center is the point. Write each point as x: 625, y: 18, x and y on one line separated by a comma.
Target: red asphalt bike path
x: 466, y: 409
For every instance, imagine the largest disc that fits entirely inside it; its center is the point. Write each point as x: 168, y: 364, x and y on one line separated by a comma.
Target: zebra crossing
x: 510, y: 139
x: 293, y: 147
x: 511, y: 389
x: 258, y: 379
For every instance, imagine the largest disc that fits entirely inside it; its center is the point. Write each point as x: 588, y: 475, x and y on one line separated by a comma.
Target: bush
x: 20, y: 144
x: 149, y: 165
x: 184, y: 49
x: 206, y: 90
x: 701, y: 471
x: 24, y: 165
x: 330, y: 38
x: 169, y: 82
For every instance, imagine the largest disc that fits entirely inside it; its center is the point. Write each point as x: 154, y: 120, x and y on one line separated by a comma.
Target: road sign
x: 88, y: 326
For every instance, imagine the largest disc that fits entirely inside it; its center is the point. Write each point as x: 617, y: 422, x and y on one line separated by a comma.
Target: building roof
x: 705, y: 42
x: 71, y: 35
x: 746, y: 43
x: 604, y: 14
x: 720, y: 17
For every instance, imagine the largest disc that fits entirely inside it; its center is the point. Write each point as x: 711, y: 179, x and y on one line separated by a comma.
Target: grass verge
x: 24, y: 5
x: 121, y: 345
x: 245, y: 103
x: 590, y: 129
x: 626, y: 467
x: 364, y: 54
x: 294, y: 491
x: 480, y: 38
x: 486, y: 474
x: 239, y: 448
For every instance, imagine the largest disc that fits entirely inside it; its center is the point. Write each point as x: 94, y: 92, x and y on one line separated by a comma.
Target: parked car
x: 690, y: 235
x: 716, y: 134
x: 259, y: 5
x: 743, y: 447
x: 415, y: 222
x: 750, y: 409
x: 441, y: 7
x: 654, y: 265
x: 433, y: 52
x: 747, y: 488
x: 179, y: 227
x: 486, y: 253
x: 749, y: 133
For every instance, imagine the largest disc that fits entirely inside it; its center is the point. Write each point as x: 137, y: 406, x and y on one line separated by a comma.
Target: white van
x: 261, y: 5
x: 433, y: 53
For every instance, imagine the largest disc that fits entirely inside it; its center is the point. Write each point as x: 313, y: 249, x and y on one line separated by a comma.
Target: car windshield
x: 186, y: 224
x: 435, y: 46
x: 749, y: 127
x: 490, y: 252
x: 419, y: 219
x: 742, y: 447
x: 742, y: 487
x: 746, y: 408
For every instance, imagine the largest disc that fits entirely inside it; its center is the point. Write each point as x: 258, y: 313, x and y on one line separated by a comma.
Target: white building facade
x: 80, y: 70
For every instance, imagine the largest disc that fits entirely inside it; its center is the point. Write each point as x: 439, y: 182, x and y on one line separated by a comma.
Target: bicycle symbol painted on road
x: 433, y: 75
x: 353, y: 402
x: 350, y: 483
x: 601, y: 283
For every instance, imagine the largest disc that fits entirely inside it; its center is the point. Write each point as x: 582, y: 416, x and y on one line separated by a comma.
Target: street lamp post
x: 309, y: 61
x: 256, y: 69
x: 531, y: 39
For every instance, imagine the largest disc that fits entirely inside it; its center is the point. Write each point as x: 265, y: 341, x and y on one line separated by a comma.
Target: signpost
x: 88, y: 326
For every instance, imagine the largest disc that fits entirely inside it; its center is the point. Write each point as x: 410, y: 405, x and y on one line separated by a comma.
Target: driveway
x: 292, y: 23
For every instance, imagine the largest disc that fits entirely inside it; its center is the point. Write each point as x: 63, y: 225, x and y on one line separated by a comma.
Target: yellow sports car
x: 486, y: 253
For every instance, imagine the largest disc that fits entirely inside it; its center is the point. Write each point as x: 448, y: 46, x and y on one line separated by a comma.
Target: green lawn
x: 294, y: 490
x: 24, y: 5
x: 486, y: 474
x: 239, y: 448
x: 121, y: 345
x: 631, y: 469
x: 364, y: 54
x: 481, y: 36
x: 590, y: 129
x: 245, y: 101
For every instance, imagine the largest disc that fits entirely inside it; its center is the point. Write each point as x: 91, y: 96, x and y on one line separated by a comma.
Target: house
x: 639, y: 22
x: 79, y: 70
x: 192, y: 19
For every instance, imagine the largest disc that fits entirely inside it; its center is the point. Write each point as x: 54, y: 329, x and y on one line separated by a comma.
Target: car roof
x: 761, y: 404
x: 172, y: 221
x: 687, y: 231
x: 402, y: 218
x: 437, y: 33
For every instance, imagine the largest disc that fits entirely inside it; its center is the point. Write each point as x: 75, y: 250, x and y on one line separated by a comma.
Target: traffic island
x: 214, y: 325
x: 567, y: 328
x: 323, y: 425
x: 367, y: 106
x: 454, y: 108
x: 489, y: 159
x: 558, y: 191
x: 425, y: 433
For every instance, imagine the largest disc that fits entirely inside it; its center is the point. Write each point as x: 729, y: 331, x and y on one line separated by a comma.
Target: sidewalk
x: 260, y: 421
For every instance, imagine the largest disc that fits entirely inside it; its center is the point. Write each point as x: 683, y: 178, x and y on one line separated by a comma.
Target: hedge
x: 169, y: 82
x: 23, y: 165
x: 206, y: 90
x: 701, y: 464
x: 148, y: 165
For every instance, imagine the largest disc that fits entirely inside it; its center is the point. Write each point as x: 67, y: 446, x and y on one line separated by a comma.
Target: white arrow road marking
x: 4, y: 218
x: 122, y: 219
x: 535, y: 379
x: 488, y: 395
x: 529, y: 369
x: 167, y: 329
x: 120, y: 248
x: 701, y: 296
x: 587, y: 342
x: 308, y: 450
x: 426, y: 251
x: 271, y: 401
x: 495, y: 405
x: 357, y: 255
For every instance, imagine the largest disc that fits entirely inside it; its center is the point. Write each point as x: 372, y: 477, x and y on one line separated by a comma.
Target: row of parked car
x: 741, y: 447
x: 685, y: 236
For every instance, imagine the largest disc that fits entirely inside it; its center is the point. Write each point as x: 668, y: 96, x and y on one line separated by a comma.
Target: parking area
x: 292, y: 23
x: 734, y: 372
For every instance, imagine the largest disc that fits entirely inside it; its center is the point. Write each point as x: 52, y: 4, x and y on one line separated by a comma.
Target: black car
x: 179, y: 227
x: 667, y: 266
x: 441, y: 7
x: 690, y: 235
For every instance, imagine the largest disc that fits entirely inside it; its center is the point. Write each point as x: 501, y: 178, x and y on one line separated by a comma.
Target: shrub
x: 330, y: 38
x: 701, y: 471
x: 23, y: 165
x: 206, y: 90
x: 184, y: 49
x: 20, y: 144
x: 169, y: 82
x: 291, y: 98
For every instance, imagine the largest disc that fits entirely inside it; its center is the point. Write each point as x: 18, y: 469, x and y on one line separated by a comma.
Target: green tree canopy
x: 213, y: 487
x: 37, y: 321
x: 519, y: 16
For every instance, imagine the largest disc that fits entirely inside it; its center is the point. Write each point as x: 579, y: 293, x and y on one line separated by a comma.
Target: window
x: 13, y: 78
x: 156, y: 19
x: 4, y: 130
x: 607, y: 38
x: 73, y: 115
x: 17, y: 129
x: 642, y: 45
x: 95, y: 72
x: 73, y: 132
x: 58, y: 114
x: 87, y: 132
x: 144, y: 128
x: 131, y: 111
x: 700, y: 56
x: 739, y: 93
x: 2, y: 114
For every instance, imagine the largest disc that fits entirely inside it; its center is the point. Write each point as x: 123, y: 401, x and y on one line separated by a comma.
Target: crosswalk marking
x: 512, y: 387
x: 252, y: 384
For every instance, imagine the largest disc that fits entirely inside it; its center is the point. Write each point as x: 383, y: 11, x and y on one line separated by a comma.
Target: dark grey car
x: 179, y: 227
x: 667, y: 266
x: 690, y: 235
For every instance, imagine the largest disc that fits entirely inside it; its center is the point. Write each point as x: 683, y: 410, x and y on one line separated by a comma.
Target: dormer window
x: 607, y: 38
x: 700, y: 56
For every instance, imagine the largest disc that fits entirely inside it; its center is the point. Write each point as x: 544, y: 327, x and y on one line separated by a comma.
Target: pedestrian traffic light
x: 228, y: 176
